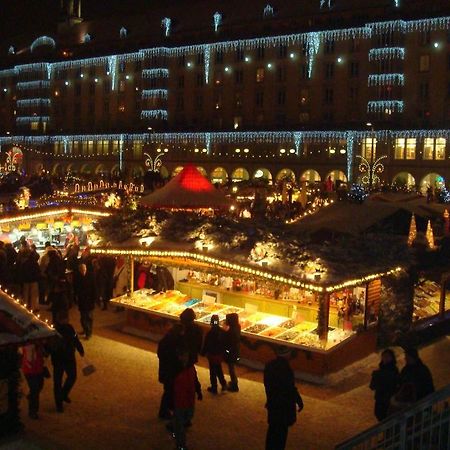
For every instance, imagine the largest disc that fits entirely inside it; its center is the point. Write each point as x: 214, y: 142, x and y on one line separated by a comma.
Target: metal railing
x: 424, y: 426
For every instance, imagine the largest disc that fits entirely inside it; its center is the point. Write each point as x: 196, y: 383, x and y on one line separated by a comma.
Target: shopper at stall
x: 415, y: 377
x: 28, y: 274
x: 385, y: 383
x: 282, y: 399
x: 185, y: 387
x: 167, y: 355
x: 58, y: 298
x: 193, y: 335
x: 86, y: 293
x: 232, y: 346
x: 64, y: 361
x: 33, y: 369
x: 214, y: 350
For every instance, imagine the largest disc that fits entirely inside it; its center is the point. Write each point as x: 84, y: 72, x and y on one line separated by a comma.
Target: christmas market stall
x: 55, y: 224
x: 18, y: 327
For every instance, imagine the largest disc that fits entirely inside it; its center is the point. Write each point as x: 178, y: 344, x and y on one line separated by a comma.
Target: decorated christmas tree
x: 412, y: 235
x: 430, y: 236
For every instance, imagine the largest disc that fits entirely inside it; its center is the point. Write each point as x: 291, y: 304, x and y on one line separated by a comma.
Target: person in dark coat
x: 193, y: 335
x: 282, y: 399
x: 29, y: 273
x: 232, y: 348
x: 86, y: 293
x: 385, y: 383
x: 167, y: 351
x: 58, y: 298
x: 416, y: 375
x: 214, y: 350
x: 64, y: 361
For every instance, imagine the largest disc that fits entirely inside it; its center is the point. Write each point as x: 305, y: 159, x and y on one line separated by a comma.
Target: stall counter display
x: 427, y: 297
x: 277, y: 329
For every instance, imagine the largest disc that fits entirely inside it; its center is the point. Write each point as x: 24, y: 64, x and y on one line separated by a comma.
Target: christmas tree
x: 412, y: 231
x: 430, y: 236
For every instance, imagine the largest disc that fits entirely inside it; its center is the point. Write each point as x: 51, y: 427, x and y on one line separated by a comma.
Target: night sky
x: 19, y: 17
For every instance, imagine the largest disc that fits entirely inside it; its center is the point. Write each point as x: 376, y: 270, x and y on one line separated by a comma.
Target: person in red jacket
x: 33, y: 370
x: 186, y: 386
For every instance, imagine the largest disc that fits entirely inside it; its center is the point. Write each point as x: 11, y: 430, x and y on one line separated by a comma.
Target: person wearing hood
x: 384, y: 382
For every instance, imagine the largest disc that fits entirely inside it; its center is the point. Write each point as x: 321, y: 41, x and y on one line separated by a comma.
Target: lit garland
x: 325, y: 4
x: 350, y: 146
x: 385, y: 105
x: 217, y: 20
x: 37, y: 84
x: 230, y: 265
x: 268, y: 11
x: 8, y: 73
x: 397, y: 79
x: 33, y: 102
x: 29, y: 119
x: 155, y: 73
x: 166, y: 24
x: 155, y: 93
x: 42, y: 40
x: 207, y: 58
x: 376, y: 54
x: 123, y: 33
x: 112, y: 70
x: 298, y: 138
x: 121, y: 141
x: 312, y: 48
x: 208, y: 142
x: 431, y: 24
x: 397, y: 3
x: 154, y: 114
x: 38, y: 215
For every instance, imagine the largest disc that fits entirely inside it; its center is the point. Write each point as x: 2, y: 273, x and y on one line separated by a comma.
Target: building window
x: 354, y: 69
x: 424, y: 63
x: 180, y: 102
x: 405, y: 148
x: 423, y: 91
x: 218, y: 77
x: 329, y: 47
x: 259, y: 99
x: 239, y: 76
x: 424, y: 37
x: 200, y: 59
x: 354, y: 93
x: 281, y: 98
x: 92, y: 71
x: 328, y: 96
x: 354, y: 45
x: 329, y: 70
x: 137, y: 149
x: 282, y: 52
x: 238, y: 100
x: 78, y: 89
x: 138, y: 66
x: 181, y: 61
x: 260, y: 53
x: 219, y: 57
x: 199, y: 101
x: 304, y: 96
x: 239, y: 55
x: 34, y: 126
x: 237, y: 123
x: 434, y: 148
x: 369, y: 149
x: 92, y: 89
x: 260, y: 74
x: 106, y: 107
x: 304, y: 117
x: 122, y: 66
x: 281, y: 74
x: 181, y: 82
x: 200, y: 80
x: 106, y: 86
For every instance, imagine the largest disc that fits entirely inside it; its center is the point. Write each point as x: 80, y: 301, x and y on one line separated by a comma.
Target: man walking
x: 86, y: 295
x: 282, y: 398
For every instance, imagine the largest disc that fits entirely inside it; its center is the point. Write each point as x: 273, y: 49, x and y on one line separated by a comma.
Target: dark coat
x: 27, y: 267
x: 86, y: 292
x: 167, y: 355
x: 232, y: 345
x: 281, y: 392
x: 64, y: 347
x: 214, y: 344
x: 419, y: 376
x: 385, y: 381
x: 193, y: 340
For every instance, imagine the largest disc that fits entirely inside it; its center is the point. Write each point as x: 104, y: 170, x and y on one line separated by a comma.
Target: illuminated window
x: 369, y: 149
x: 105, y: 145
x: 137, y: 149
x: 424, y: 63
x: 90, y: 147
x: 260, y: 75
x: 115, y: 147
x: 434, y: 148
x: 34, y: 126
x: 405, y: 148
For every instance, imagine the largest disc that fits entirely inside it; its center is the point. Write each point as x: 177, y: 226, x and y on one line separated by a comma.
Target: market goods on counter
x: 255, y: 329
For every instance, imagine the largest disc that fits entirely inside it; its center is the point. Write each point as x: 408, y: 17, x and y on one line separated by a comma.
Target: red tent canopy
x: 188, y: 190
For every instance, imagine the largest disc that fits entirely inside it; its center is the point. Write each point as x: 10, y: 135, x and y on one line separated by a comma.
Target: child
x: 185, y: 386
x: 214, y: 350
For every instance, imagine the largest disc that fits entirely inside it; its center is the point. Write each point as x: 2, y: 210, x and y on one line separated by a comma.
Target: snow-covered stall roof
x: 18, y: 325
x: 188, y: 190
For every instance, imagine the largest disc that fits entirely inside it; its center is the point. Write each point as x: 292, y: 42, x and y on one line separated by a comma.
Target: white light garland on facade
x: 112, y: 69
x: 385, y: 106
x: 208, y: 142
x: 42, y: 40
x: 155, y: 93
x: 268, y: 11
x: 37, y: 84
x: 217, y: 20
x: 350, y: 150
x: 376, y: 54
x: 166, y: 24
x: 33, y: 102
x: 298, y: 138
x: 397, y: 79
x: 397, y: 3
x: 29, y: 119
x: 155, y: 73
x: 207, y: 62
x: 154, y: 114
x: 312, y: 48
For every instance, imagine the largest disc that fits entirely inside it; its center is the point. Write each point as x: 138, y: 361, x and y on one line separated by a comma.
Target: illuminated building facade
x: 241, y: 90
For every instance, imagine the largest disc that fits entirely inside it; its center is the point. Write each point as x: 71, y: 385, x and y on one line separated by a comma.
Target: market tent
x: 188, y: 190
x: 18, y: 325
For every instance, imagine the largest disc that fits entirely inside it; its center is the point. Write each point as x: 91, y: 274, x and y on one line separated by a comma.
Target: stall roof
x: 18, y: 325
x: 180, y: 258
x: 188, y: 190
